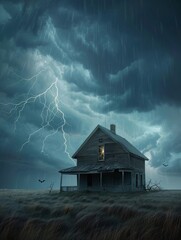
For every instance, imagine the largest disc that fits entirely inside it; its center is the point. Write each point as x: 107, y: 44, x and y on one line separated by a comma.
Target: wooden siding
x: 113, y: 148
x: 139, y: 187
x: 82, y: 160
x: 123, y: 159
x: 137, y: 163
x: 91, y: 147
x: 117, y: 181
x: 113, y: 151
x: 110, y: 182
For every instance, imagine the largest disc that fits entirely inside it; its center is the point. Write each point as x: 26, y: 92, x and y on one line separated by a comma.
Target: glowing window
x: 101, y: 153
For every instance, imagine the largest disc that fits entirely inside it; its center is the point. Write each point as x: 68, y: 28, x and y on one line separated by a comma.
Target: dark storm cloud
x: 31, y: 155
x: 147, y: 142
x: 26, y: 166
x: 145, y: 84
x: 110, y: 38
x: 125, y: 53
x: 135, y: 43
x: 164, y: 147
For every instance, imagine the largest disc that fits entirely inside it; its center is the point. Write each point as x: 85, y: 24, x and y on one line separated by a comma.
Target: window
x: 100, y: 140
x: 136, y: 180
x: 141, y: 180
x: 101, y: 153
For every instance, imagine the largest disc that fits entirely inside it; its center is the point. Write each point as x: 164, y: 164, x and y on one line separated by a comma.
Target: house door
x: 89, y: 180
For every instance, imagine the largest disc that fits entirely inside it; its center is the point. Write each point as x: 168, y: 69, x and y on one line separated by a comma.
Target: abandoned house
x: 106, y: 161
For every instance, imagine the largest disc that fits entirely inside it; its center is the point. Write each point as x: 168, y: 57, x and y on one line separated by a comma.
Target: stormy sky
x: 78, y: 63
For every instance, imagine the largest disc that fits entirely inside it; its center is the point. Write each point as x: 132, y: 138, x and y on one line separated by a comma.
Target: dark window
x: 101, y: 153
x: 137, y: 180
x: 89, y: 180
x: 100, y: 140
x: 127, y: 178
x: 141, y: 180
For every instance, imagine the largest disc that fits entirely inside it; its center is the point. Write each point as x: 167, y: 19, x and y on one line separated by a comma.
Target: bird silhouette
x: 41, y: 181
x: 165, y: 164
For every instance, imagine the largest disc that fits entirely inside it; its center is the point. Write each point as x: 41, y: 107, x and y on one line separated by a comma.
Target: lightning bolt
x: 50, y: 110
x: 49, y: 98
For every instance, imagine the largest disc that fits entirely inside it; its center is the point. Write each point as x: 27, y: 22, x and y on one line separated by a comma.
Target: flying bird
x: 41, y: 180
x: 165, y: 164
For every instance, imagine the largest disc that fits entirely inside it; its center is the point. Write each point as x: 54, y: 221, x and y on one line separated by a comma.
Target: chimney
x: 113, y: 128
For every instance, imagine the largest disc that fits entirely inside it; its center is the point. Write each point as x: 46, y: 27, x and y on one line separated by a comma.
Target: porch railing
x: 68, y: 188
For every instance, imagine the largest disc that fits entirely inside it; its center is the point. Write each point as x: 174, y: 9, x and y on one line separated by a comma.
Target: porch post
x: 100, y: 179
x: 78, y: 181
x: 61, y: 181
x: 123, y: 179
x: 131, y: 180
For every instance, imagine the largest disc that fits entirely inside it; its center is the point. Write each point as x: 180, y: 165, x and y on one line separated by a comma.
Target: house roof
x: 95, y: 168
x: 127, y: 146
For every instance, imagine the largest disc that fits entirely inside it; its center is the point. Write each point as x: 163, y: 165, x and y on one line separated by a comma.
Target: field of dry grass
x: 39, y: 215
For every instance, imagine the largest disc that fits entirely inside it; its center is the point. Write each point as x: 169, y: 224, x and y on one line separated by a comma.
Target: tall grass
x: 80, y: 216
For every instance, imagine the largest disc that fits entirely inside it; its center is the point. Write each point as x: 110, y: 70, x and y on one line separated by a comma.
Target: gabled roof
x: 127, y: 146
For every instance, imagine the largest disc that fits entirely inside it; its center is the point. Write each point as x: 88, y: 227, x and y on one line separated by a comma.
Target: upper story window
x: 100, y: 140
x: 101, y: 153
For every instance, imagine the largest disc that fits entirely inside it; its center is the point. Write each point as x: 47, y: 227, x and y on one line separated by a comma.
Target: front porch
x: 117, y: 180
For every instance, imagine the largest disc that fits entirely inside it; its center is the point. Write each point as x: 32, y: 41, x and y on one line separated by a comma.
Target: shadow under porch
x: 113, y: 181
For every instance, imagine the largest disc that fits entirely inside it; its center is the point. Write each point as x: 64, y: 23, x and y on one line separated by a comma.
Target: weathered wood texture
x: 137, y: 163
x: 131, y: 179
x: 140, y: 186
x: 118, y: 181
x: 113, y: 151
x: 91, y: 146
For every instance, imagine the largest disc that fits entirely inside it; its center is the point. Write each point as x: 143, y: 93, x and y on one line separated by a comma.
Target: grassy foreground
x: 34, y: 215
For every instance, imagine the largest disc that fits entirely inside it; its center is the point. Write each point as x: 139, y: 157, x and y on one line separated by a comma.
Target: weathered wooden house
x: 106, y: 161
